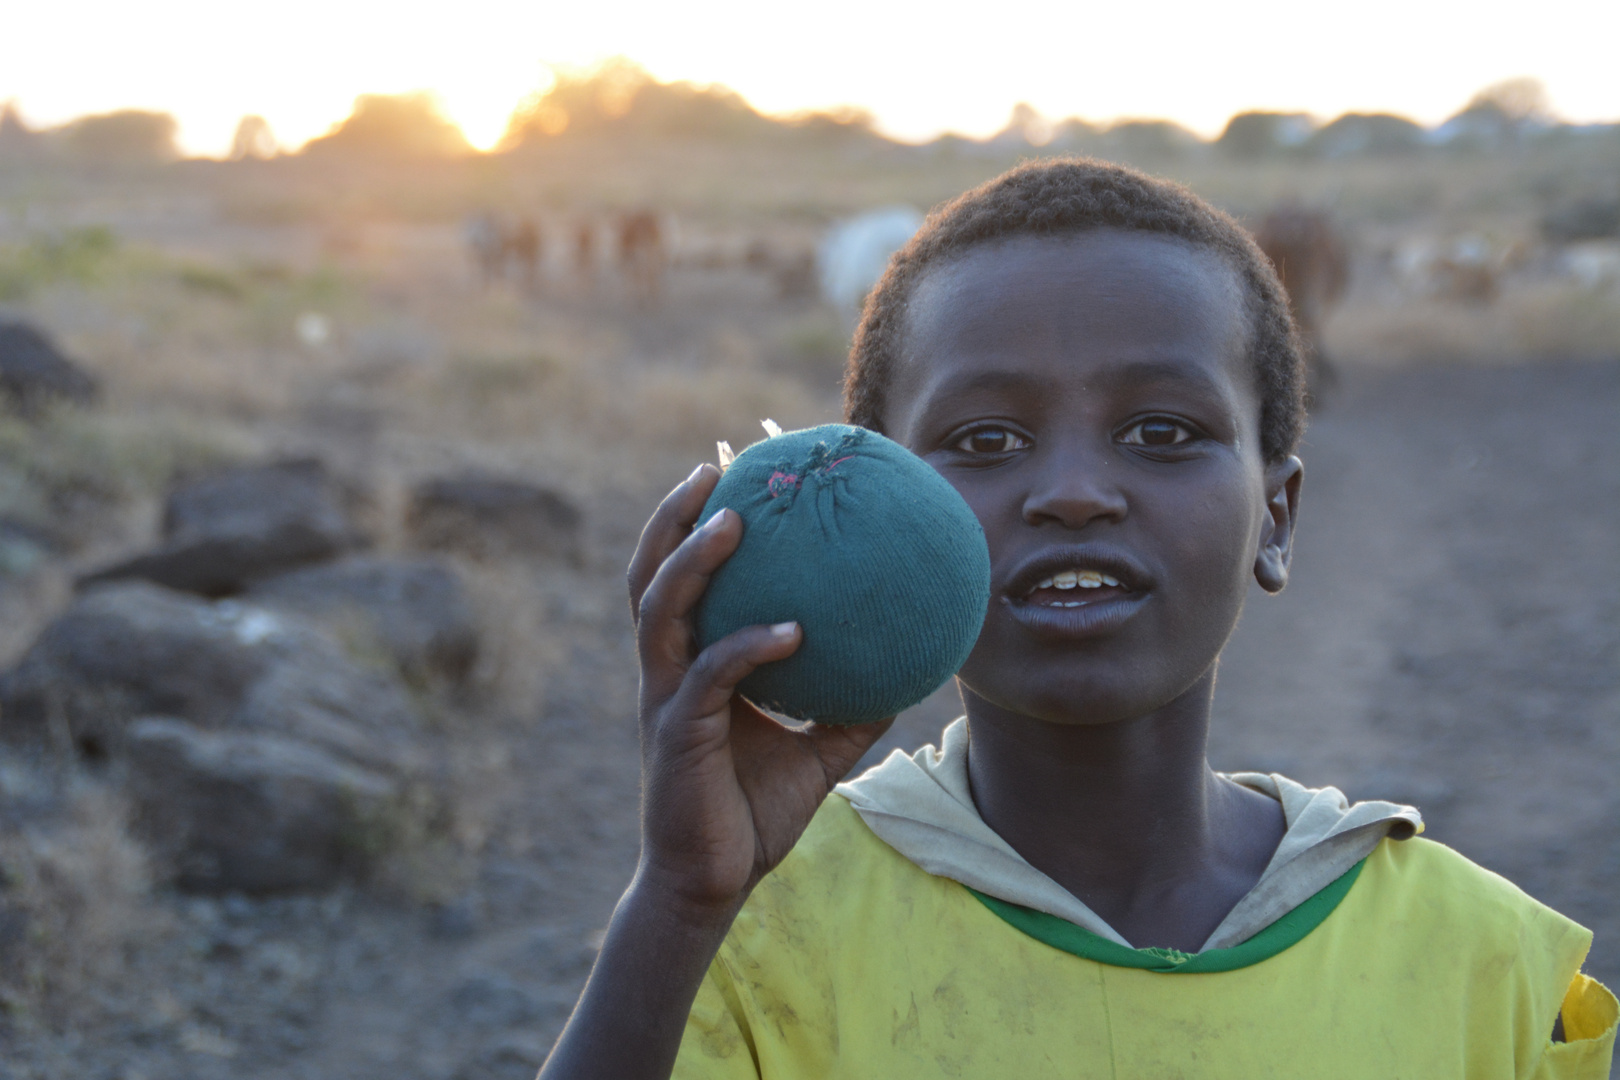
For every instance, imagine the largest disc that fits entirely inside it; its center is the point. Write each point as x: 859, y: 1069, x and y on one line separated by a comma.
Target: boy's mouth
x: 1075, y: 588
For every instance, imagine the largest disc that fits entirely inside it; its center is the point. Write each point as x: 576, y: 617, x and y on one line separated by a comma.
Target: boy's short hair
x: 1071, y: 195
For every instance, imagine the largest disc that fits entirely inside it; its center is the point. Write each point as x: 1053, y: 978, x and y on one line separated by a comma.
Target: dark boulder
x: 250, y: 812
x: 132, y: 649
x: 23, y: 545
x: 488, y: 999
x: 491, y: 517
x: 34, y: 374
x: 515, y: 1057
x: 415, y: 610
x: 223, y: 532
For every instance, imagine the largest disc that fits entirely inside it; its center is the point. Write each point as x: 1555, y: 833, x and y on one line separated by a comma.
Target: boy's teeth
x: 1079, y: 579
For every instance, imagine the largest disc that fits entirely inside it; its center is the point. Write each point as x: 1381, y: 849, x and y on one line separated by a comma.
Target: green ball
x: 870, y: 551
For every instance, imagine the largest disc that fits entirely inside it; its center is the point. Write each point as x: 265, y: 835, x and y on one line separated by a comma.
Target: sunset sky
x: 921, y: 68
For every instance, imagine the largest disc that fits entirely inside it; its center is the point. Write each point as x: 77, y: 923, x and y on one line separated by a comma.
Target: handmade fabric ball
x: 870, y: 551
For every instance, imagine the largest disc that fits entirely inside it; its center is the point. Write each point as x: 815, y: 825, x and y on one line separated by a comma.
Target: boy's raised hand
x: 727, y: 790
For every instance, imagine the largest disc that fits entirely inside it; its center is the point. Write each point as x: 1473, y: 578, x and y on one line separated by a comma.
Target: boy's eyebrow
x: 1130, y: 373
x: 1137, y: 372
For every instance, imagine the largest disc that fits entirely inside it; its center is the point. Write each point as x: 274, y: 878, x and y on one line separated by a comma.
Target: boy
x: 1104, y: 367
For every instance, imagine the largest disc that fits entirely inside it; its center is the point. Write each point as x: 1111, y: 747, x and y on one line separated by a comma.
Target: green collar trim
x: 1285, y: 932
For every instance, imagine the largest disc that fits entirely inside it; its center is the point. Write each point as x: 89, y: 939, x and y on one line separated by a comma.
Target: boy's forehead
x: 1098, y: 279
x: 1096, y: 297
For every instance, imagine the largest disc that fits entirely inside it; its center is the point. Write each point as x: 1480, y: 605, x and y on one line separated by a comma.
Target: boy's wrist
x: 659, y: 898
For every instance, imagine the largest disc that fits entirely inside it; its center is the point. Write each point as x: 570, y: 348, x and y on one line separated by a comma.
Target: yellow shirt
x: 849, y: 961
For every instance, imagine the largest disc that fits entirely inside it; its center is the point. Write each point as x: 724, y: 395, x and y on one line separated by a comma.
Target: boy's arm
x: 726, y: 793
x: 630, y: 1018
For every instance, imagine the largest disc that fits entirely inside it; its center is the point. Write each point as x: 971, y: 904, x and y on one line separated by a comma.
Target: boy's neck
x: 1128, y: 816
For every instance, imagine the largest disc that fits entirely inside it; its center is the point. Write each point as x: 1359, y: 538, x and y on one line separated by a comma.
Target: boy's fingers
x: 713, y: 677
x: 663, y: 633
x: 670, y: 524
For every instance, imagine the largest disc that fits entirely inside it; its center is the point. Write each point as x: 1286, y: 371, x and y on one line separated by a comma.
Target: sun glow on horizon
x: 302, y: 65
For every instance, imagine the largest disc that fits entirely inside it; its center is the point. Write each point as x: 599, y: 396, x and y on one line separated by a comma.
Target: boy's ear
x: 1277, y: 537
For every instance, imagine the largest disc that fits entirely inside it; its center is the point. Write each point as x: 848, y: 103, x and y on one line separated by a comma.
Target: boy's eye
x: 1157, y: 431
x: 991, y: 440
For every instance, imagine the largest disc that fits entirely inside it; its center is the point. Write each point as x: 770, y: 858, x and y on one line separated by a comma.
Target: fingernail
x: 695, y: 472
x: 715, y: 522
x: 784, y: 629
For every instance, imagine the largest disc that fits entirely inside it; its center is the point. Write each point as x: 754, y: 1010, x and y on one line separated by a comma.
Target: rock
x: 249, y: 812
x: 33, y: 787
x: 488, y: 516
x: 132, y: 649
x: 456, y: 920
x: 490, y: 999
x: 23, y: 546
x: 127, y: 650
x: 223, y: 532
x: 33, y: 373
x: 414, y: 609
x: 512, y: 1058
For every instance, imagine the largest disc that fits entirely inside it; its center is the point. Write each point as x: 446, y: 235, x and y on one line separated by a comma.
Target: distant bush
x: 619, y: 97
x: 16, y: 138
x: 393, y: 126
x: 1252, y: 135
x: 253, y: 140
x: 1498, y: 116
x: 1522, y: 100
x: 1354, y: 134
x: 846, y: 121
x: 128, y: 136
x: 1145, y: 141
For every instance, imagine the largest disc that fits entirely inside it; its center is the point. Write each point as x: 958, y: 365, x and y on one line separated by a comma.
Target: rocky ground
x: 1451, y: 638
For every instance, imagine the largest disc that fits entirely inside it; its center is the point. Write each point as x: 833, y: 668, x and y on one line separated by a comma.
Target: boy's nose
x: 1073, y: 491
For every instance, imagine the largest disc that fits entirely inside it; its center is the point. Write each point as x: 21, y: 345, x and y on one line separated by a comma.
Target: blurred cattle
x: 792, y: 269
x: 501, y: 246
x: 855, y: 252
x: 642, y: 253
x: 584, y: 252
x: 1464, y: 270
x: 523, y: 250
x: 483, y: 235
x: 1314, y: 266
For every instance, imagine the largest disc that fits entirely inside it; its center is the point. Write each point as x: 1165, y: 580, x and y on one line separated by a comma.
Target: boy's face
x: 1092, y: 399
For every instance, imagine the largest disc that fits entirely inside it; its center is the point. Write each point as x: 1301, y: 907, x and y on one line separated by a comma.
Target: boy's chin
x: 1072, y: 702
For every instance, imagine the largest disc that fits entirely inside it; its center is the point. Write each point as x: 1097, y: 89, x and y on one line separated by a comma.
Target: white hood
x: 923, y: 808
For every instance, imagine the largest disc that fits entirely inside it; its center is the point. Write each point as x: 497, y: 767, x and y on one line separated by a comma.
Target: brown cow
x: 1311, y: 260
x: 641, y: 253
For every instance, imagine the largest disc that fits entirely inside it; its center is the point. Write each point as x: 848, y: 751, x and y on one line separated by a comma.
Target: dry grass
x: 75, y: 904
x: 1547, y: 320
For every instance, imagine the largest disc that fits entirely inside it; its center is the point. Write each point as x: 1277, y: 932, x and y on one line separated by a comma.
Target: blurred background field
x: 1451, y: 639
